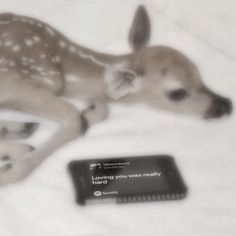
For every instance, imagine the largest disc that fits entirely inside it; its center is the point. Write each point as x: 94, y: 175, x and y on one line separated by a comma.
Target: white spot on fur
x: 70, y: 78
x: 56, y: 59
x: 5, y: 22
x: 5, y: 62
x: 2, y: 60
x: 36, y: 39
x: 52, y: 72
x: 91, y: 58
x: 23, y: 19
x: 43, y: 56
x: 26, y: 60
x: 31, y: 22
x: 16, y: 48
x: 29, y: 42
x: 8, y: 43
x: 72, y: 49
x: 38, y: 68
x: 62, y: 44
x: 12, y: 63
x: 48, y: 81
x: 51, y: 32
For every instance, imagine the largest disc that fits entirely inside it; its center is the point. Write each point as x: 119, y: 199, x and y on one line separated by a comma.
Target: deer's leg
x: 96, y: 111
x: 12, y: 151
x: 17, y: 130
x: 40, y: 102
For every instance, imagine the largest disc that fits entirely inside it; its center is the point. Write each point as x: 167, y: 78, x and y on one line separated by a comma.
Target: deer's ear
x: 140, y: 31
x: 120, y: 82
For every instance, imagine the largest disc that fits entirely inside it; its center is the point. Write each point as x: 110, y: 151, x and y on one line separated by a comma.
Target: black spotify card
x: 124, y: 180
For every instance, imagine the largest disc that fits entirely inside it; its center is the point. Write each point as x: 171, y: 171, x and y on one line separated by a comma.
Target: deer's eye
x: 177, y: 95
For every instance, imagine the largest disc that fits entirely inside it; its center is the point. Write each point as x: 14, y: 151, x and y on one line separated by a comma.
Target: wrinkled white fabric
x: 205, y: 30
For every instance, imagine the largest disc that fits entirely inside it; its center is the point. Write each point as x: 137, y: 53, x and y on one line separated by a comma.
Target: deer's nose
x: 220, y: 106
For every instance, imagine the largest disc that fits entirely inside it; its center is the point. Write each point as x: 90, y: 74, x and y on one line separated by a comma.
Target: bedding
x: 204, y: 30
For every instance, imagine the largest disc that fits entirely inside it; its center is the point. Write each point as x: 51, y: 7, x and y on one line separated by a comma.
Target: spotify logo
x: 97, y: 193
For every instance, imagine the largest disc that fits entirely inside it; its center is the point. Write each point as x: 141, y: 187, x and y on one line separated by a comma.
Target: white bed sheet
x: 205, y: 151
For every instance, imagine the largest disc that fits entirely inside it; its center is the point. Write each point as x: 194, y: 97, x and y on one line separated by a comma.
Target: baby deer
x: 39, y: 66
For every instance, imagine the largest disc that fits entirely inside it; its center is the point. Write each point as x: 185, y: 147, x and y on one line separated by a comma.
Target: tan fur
x: 39, y: 66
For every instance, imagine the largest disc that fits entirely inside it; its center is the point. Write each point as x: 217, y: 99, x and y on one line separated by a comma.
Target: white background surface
x: 205, y: 30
